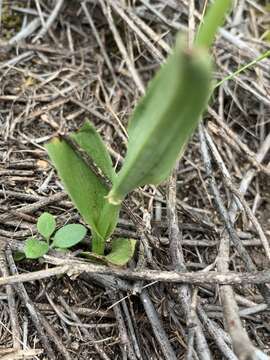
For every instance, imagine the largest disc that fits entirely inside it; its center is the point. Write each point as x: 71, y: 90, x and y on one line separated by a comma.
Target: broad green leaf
x: 164, y: 120
x: 122, y: 251
x: 69, y: 235
x: 85, y: 189
x: 34, y: 248
x: 212, y: 21
x: 46, y: 225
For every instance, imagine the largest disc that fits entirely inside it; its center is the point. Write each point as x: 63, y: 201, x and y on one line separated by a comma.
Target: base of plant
x: 122, y: 251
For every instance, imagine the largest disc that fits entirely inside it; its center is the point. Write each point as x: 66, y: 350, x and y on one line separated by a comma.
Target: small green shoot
x: 64, y: 238
x: 159, y: 130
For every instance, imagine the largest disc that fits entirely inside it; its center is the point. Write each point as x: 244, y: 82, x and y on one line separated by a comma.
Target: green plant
x: 244, y: 67
x: 158, y: 131
x: 64, y: 238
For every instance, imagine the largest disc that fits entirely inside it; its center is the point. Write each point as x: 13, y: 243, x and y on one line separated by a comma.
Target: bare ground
x: 93, y: 60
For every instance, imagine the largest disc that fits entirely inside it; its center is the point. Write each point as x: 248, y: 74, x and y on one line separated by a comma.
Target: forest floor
x: 62, y: 62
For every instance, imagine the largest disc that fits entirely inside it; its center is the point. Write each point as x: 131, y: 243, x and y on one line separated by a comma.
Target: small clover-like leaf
x: 34, y: 248
x: 69, y: 235
x: 122, y: 251
x: 46, y: 225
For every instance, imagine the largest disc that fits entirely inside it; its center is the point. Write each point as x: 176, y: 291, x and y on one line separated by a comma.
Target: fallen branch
x: 73, y: 267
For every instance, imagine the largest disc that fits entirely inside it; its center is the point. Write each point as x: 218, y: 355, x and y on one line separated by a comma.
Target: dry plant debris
x: 202, y: 268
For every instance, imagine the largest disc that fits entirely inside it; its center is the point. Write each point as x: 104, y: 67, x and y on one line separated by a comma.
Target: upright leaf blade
x: 81, y: 184
x: 90, y: 141
x: 164, y: 120
x: 213, y: 19
x: 84, y: 187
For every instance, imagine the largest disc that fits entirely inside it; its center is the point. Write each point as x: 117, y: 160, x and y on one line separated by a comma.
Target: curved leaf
x: 164, y: 120
x: 122, y: 251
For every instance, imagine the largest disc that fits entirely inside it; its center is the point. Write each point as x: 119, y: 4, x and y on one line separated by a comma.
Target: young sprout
x: 159, y: 130
x: 64, y: 238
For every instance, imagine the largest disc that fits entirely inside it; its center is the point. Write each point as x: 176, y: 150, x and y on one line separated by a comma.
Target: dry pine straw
x: 93, y: 59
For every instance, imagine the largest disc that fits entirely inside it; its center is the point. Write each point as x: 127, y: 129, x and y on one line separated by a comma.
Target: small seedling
x: 159, y: 130
x: 64, y: 238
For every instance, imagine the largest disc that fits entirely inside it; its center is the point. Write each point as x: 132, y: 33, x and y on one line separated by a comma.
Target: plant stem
x: 98, y: 244
x: 242, y: 68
